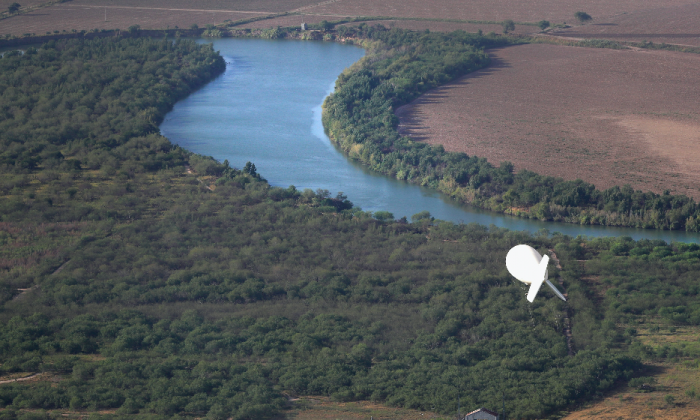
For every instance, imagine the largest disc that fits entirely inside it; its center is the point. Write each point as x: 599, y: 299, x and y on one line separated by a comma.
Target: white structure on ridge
x: 527, y: 265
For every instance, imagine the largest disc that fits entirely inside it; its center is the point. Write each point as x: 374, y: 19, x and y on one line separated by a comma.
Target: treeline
x: 399, y: 66
x: 102, y: 94
x: 90, y: 107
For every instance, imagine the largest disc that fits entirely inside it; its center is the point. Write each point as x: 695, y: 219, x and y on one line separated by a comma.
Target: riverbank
x: 268, y: 292
x: 469, y: 180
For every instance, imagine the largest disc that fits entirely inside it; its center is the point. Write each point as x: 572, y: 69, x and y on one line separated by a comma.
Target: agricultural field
x: 266, y: 6
x: 634, y: 20
x: 69, y: 17
x: 4, y: 4
x: 493, y: 10
x: 609, y: 117
x: 90, y: 14
x: 668, y: 24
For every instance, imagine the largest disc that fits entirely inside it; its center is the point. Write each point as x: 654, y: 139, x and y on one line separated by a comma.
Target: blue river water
x: 266, y: 108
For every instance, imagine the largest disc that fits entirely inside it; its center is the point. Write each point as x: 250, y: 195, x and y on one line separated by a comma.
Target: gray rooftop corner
x: 481, y: 414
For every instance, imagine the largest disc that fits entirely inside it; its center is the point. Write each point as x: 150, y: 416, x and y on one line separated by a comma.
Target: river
x: 266, y: 108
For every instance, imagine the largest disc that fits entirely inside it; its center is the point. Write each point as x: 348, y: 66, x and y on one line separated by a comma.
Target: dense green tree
x: 582, y: 17
x: 508, y: 25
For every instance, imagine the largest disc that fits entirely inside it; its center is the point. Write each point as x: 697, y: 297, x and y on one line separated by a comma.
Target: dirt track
x: 25, y: 378
x: 609, y: 117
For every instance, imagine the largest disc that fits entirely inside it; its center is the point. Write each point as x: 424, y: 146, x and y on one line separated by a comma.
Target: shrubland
x: 133, y: 285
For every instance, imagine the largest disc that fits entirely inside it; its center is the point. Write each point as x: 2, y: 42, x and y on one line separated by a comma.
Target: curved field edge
x: 399, y: 66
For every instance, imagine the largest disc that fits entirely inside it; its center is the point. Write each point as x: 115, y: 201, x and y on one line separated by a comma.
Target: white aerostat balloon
x: 527, y: 265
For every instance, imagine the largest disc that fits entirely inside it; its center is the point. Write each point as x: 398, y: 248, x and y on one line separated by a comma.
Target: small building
x: 303, y: 26
x: 481, y: 414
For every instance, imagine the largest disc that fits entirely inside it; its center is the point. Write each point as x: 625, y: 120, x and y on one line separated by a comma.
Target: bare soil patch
x: 497, y: 10
x: 678, y: 24
x: 33, y: 377
x: 628, y: 404
x: 68, y: 17
x: 266, y: 6
x: 609, y: 117
x: 148, y: 14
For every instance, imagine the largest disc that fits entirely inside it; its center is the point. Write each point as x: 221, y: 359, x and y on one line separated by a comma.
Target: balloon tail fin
x: 558, y: 293
x: 534, y: 288
x: 539, y: 278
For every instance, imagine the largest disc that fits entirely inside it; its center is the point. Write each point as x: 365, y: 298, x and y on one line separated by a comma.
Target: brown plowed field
x: 69, y: 17
x: 4, y: 4
x: 609, y: 117
x: 149, y: 14
x: 672, y: 25
x: 675, y: 22
x: 497, y: 10
x: 267, y: 6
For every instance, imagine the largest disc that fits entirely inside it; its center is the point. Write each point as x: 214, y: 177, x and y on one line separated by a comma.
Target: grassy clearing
x: 321, y: 408
x: 306, y: 408
x: 674, y: 396
x: 676, y: 391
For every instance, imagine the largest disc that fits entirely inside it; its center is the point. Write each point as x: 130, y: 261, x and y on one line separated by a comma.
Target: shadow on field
x: 412, y: 120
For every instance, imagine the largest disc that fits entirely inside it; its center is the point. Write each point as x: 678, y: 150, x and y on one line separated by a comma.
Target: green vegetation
x: 643, y: 383
x: 543, y: 24
x: 662, y: 277
x: 212, y: 31
x: 582, y: 17
x: 663, y: 46
x: 401, y: 65
x: 134, y: 286
x: 508, y: 25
